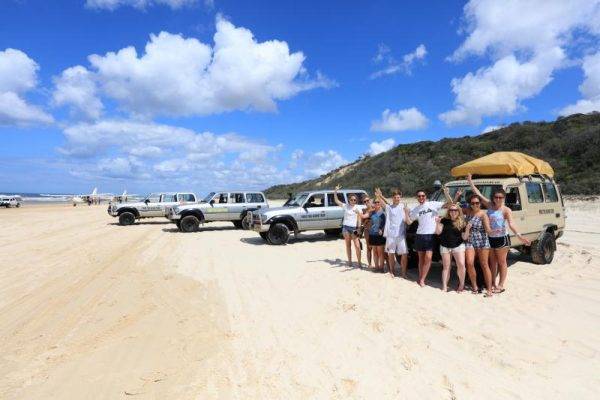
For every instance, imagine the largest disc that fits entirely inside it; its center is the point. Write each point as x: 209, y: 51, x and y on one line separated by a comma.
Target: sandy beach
x: 93, y: 310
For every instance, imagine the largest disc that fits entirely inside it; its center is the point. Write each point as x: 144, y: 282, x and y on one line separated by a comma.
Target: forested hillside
x: 570, y: 144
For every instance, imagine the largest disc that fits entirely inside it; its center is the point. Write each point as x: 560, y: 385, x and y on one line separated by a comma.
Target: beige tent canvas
x: 504, y: 163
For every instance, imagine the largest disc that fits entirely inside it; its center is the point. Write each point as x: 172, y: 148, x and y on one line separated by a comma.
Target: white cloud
x: 393, y: 66
x: 500, y: 88
x: 527, y: 41
x: 76, y: 87
x: 139, y: 4
x: 379, y: 147
x: 402, y: 120
x: 321, y: 162
x: 178, y: 76
x: 590, y: 88
x: 18, y: 75
x: 491, y: 128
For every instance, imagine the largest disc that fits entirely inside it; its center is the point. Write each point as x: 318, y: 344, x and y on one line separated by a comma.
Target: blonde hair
x: 459, y: 223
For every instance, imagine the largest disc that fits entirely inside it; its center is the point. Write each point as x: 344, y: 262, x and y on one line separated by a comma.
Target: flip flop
x: 487, y: 294
x: 500, y: 291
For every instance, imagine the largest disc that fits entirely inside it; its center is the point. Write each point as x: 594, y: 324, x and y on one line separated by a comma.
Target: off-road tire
x: 278, y: 234
x: 178, y: 223
x: 237, y: 224
x: 126, y: 218
x: 542, y: 250
x: 189, y: 224
x: 334, y: 232
x: 245, y: 222
x: 18, y: 205
x: 264, y: 236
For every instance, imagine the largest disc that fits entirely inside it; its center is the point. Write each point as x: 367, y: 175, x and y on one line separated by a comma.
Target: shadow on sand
x: 142, y: 223
x: 201, y: 229
x: 311, y: 238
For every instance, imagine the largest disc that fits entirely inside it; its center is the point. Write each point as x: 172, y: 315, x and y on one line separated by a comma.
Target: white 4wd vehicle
x: 232, y: 206
x: 537, y: 207
x: 10, y: 201
x: 308, y: 211
x: 154, y: 205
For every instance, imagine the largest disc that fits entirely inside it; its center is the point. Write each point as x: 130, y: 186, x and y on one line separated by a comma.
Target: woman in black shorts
x: 375, y: 234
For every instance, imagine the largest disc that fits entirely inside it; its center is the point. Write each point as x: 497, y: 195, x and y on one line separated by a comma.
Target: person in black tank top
x: 451, y: 231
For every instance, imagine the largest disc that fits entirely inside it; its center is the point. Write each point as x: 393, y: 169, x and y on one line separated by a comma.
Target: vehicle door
x: 218, y: 207
x: 236, y: 205
x: 334, y: 213
x: 552, y: 201
x: 255, y: 200
x: 514, y: 201
x: 152, y: 206
x: 313, y: 214
x: 535, y: 210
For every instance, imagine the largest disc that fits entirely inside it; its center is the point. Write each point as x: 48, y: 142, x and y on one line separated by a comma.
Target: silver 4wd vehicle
x: 537, y: 206
x: 233, y: 206
x: 10, y: 201
x: 154, y: 205
x: 307, y: 211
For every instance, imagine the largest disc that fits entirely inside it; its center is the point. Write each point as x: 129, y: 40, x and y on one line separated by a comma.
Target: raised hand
x: 337, y: 187
x: 470, y: 178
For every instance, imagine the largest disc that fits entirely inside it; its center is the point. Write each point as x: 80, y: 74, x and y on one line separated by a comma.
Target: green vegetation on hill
x: 570, y: 144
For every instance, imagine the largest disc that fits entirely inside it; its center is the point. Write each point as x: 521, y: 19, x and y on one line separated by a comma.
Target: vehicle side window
x: 236, y: 198
x: 186, y: 197
x: 534, y: 192
x: 551, y: 194
x: 167, y: 198
x: 331, y: 201
x: 316, y: 200
x: 513, y: 199
x: 255, y: 198
x: 220, y: 198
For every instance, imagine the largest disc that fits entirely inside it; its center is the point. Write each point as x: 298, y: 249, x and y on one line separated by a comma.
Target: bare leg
x: 501, y: 255
x: 459, y: 258
x: 403, y: 265
x: 426, y: 265
x: 393, y: 267
x: 382, y: 257
x: 493, y: 267
x: 369, y: 249
x: 421, y: 255
x: 470, y: 262
x: 357, y: 250
x: 483, y: 257
x: 348, y: 242
x: 446, y: 261
x: 391, y: 259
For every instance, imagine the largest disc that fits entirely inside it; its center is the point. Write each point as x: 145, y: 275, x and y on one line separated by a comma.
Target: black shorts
x: 424, y: 243
x: 376, y: 240
x: 499, y: 242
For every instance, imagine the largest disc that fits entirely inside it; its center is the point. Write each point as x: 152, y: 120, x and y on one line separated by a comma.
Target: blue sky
x: 151, y: 95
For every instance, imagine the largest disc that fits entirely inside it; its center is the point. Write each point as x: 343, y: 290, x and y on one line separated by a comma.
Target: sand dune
x: 90, y: 309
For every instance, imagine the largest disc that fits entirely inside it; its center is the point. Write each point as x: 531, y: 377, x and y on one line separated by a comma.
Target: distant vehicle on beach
x: 154, y: 205
x: 307, y: 211
x: 10, y: 201
x: 235, y: 206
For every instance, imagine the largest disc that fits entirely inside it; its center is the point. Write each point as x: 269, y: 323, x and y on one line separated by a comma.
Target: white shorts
x: 396, y: 245
x: 457, y: 249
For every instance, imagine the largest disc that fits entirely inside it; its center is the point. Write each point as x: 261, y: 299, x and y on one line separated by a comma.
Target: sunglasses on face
x: 499, y: 197
x: 452, y: 210
x: 475, y: 203
x: 421, y: 195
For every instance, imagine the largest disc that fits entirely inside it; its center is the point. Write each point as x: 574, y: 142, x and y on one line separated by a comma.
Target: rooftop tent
x: 504, y: 163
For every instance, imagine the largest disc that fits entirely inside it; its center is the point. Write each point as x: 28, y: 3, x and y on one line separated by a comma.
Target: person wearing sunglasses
x: 375, y: 235
x: 396, y: 216
x: 450, y: 230
x: 350, y: 225
x: 366, y: 225
x: 477, y: 244
x: 425, y: 212
x: 499, y: 216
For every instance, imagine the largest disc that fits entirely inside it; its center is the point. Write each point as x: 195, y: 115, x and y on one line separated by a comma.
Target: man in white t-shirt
x: 425, y: 212
x: 394, y: 231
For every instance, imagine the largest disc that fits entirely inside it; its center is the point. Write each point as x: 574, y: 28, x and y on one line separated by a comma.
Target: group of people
x: 476, y: 232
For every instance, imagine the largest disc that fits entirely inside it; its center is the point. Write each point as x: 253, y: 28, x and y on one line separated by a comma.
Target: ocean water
x: 41, y: 197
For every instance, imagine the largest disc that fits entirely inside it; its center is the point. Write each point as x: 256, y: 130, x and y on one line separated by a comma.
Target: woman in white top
x: 350, y: 225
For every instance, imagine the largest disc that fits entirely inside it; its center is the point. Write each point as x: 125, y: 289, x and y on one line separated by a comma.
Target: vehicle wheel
x: 333, y: 232
x: 246, y: 222
x: 126, y: 218
x: 189, y: 224
x: 542, y: 250
x: 278, y: 234
x: 18, y: 205
x: 178, y: 223
x: 237, y: 224
x: 265, y: 236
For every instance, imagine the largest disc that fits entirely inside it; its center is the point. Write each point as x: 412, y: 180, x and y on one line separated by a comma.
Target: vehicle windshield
x: 152, y: 197
x: 485, y: 190
x: 297, y: 201
x: 208, y: 197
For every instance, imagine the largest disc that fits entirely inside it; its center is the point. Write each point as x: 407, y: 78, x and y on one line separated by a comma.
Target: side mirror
x: 212, y: 202
x: 147, y: 201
